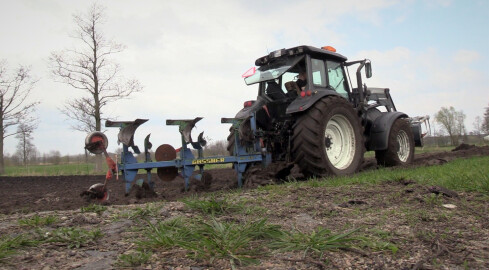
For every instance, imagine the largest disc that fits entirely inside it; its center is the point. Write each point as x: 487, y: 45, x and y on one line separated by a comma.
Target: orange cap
x: 328, y: 48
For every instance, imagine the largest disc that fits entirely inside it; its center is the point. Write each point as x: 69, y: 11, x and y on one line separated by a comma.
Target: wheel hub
x: 339, y: 141
x: 327, y: 142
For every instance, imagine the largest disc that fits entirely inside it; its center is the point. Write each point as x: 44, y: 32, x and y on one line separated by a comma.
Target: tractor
x: 307, y: 113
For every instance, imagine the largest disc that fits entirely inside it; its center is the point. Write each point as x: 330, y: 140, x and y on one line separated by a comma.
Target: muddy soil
x: 405, y: 224
x: 39, y: 193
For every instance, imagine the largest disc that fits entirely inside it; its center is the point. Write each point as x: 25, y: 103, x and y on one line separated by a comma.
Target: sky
x: 190, y: 55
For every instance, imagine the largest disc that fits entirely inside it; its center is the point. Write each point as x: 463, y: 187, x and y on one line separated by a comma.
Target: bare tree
x: 478, y: 127
x: 91, y: 69
x: 14, y: 106
x: 54, y: 157
x: 452, y: 122
x: 485, y: 121
x: 26, y: 150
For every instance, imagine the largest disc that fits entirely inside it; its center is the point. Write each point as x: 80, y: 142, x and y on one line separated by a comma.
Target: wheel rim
x: 340, y: 142
x: 403, y: 142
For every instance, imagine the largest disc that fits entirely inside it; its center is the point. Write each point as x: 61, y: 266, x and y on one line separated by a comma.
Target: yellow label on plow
x: 207, y: 160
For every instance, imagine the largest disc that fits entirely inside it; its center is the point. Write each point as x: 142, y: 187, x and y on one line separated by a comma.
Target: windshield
x: 273, y: 70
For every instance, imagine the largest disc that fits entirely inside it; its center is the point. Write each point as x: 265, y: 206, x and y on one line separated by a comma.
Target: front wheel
x: 400, y: 145
x: 328, y: 139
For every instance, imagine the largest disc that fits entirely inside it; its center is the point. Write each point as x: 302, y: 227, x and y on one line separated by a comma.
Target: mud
x: 33, y: 194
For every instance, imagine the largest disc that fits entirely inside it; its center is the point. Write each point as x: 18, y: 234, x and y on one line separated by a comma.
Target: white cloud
x: 465, y: 57
x: 424, y: 81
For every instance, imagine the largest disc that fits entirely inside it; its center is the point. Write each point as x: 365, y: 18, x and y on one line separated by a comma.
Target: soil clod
x: 464, y: 146
x: 443, y: 191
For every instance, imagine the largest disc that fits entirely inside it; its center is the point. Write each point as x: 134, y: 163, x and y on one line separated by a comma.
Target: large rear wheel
x: 400, y: 145
x: 328, y: 139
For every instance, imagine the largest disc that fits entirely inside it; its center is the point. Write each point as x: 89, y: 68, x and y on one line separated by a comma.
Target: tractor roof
x: 320, y: 53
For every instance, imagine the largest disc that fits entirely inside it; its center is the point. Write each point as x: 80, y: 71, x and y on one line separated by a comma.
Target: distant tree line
x: 451, y: 127
x: 53, y: 157
x: 34, y: 157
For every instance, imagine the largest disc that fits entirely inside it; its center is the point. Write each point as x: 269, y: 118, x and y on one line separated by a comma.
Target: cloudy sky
x: 190, y: 55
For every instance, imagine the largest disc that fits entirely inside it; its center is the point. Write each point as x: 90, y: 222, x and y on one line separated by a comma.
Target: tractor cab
x: 291, y: 80
x: 295, y: 74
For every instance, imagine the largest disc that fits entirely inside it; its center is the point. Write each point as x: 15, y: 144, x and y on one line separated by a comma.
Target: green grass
x: 70, y: 236
x: 166, y: 234
x: 317, y: 241
x: 37, y: 221
x: 377, y: 240
x: 133, y: 259
x: 149, y: 210
x: 243, y: 243
x: 10, y: 244
x: 74, y: 169
x: 470, y: 174
x: 212, y: 205
x: 420, y: 150
x: 213, y: 239
x: 94, y: 208
x: 51, y: 170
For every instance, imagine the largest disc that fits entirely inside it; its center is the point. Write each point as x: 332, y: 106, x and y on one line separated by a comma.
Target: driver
x: 302, y: 80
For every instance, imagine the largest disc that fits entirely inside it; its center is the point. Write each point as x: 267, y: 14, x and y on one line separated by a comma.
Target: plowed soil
x: 404, y: 226
x: 39, y: 193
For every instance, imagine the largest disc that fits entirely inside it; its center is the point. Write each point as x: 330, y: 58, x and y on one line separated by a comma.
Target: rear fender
x: 301, y: 104
x: 381, y: 127
x: 248, y: 111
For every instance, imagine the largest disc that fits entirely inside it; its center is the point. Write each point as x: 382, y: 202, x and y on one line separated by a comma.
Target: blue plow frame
x: 244, y: 155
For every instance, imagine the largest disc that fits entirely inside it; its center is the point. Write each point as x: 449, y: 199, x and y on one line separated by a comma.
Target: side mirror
x: 368, y: 69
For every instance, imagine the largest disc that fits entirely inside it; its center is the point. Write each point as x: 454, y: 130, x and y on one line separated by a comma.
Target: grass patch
x: 166, y: 234
x: 378, y: 240
x: 94, y: 208
x: 149, y: 210
x: 213, y: 206
x: 316, y: 242
x: 452, y: 175
x: 140, y: 213
x: 51, y: 170
x: 420, y: 150
x: 10, y: 244
x: 133, y: 259
x: 36, y: 221
x: 213, y: 240
x: 71, y: 237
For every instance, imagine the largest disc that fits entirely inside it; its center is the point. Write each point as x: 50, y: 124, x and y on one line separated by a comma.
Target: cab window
x: 318, y: 74
x: 336, y: 78
x: 288, y: 77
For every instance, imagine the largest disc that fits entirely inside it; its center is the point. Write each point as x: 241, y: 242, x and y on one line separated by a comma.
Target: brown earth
x: 405, y: 224
x: 41, y: 193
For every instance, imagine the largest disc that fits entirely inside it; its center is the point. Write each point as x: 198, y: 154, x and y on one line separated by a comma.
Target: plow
x: 168, y: 166
x: 307, y: 113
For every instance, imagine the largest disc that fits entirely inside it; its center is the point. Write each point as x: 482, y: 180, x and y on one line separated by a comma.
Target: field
x: 433, y: 215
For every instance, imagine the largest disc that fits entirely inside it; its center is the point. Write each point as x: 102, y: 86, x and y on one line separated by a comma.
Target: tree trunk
x: 2, y: 163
